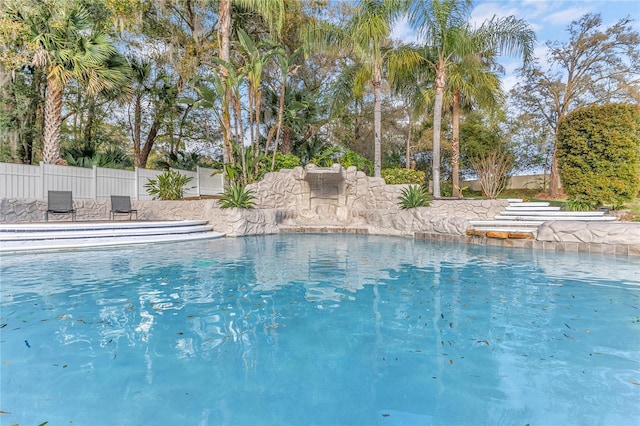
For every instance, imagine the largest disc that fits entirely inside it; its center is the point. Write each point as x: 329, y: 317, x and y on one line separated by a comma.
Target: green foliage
x: 414, y: 196
x: 167, y: 186
x: 237, y: 195
x: 180, y: 160
x: 286, y: 161
x: 329, y: 155
x: 580, y: 205
x: 401, y: 176
x: 599, y: 154
x: 352, y: 158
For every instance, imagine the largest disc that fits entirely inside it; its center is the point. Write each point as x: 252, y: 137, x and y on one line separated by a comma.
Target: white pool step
x: 532, y: 208
x: 526, y: 217
x: 73, y: 235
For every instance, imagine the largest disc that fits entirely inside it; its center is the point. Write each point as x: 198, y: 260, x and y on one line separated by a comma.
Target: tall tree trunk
x: 88, y: 125
x: 554, y: 178
x: 407, y: 151
x: 377, y: 121
x: 224, y: 40
x: 455, y: 145
x: 280, y: 115
x: 441, y: 79
x: 52, y: 117
x: 137, y: 133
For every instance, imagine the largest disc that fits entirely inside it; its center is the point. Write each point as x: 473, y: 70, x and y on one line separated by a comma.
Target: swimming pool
x: 319, y: 330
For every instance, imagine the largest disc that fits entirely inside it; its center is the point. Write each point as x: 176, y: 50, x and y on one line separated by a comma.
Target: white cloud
x: 564, y: 17
x: 487, y: 10
x: 402, y: 31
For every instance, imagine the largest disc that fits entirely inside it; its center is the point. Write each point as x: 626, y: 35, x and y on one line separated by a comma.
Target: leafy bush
x: 286, y: 161
x: 414, y: 196
x: 401, y: 176
x: 579, y: 205
x: 352, y: 158
x: 167, y: 186
x: 599, y: 154
x: 237, y: 195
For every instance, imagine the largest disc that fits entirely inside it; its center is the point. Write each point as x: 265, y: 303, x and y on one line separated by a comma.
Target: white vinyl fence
x: 25, y: 181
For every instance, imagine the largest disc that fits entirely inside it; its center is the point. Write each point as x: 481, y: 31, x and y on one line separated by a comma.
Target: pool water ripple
x: 319, y: 330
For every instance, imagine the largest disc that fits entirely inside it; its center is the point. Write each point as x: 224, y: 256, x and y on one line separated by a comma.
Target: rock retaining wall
x: 445, y: 220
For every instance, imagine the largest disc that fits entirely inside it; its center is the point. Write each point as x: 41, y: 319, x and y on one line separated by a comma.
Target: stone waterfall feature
x: 328, y: 195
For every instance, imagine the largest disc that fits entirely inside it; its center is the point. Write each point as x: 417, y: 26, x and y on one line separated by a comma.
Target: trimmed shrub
x: 167, y: 186
x: 286, y: 161
x: 403, y: 176
x: 599, y: 154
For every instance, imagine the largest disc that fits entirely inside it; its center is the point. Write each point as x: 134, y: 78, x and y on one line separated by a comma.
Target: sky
x: 548, y: 18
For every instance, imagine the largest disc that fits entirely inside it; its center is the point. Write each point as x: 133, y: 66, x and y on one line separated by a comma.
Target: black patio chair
x: 60, y: 202
x: 121, y: 204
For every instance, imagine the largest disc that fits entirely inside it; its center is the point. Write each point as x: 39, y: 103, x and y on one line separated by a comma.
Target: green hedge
x: 401, y: 176
x: 599, y: 154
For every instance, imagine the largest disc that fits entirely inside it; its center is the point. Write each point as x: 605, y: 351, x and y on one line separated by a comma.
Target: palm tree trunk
x: 407, y: 152
x: 280, y: 115
x: 224, y: 40
x: 377, y: 121
x: 455, y: 145
x: 52, y: 117
x: 441, y: 79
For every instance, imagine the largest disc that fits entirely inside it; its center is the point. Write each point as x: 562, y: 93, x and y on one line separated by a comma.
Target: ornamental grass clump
x: 414, y: 196
x: 237, y: 195
x: 168, y: 185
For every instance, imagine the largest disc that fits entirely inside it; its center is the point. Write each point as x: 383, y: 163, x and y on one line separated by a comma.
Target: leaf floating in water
x: 568, y: 337
x: 633, y: 382
x: 385, y: 414
x: 4, y: 412
x: 26, y: 342
x: 43, y: 423
x: 450, y: 362
x: 3, y: 325
x: 568, y: 326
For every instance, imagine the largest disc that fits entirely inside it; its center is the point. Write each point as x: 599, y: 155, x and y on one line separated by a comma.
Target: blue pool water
x: 319, y: 330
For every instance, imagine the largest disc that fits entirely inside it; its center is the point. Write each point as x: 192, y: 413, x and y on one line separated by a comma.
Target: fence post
x: 136, y: 177
x: 94, y: 180
x: 198, y: 180
x: 43, y: 184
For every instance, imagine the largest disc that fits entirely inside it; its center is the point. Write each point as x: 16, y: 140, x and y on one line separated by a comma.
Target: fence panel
x: 78, y: 180
x: 143, y: 177
x: 115, y: 182
x: 20, y: 181
x: 208, y: 184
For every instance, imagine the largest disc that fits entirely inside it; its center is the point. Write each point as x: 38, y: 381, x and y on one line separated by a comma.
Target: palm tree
x: 366, y: 36
x: 443, y: 27
x: 68, y: 50
x: 273, y: 12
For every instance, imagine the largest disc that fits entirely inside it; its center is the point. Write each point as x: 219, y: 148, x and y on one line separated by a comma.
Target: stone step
x: 69, y: 235
x: 557, y: 216
x: 529, y: 203
x: 505, y: 229
x: 502, y: 234
x: 532, y: 208
x: 99, y: 233
x: 527, y: 223
x: 549, y: 213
